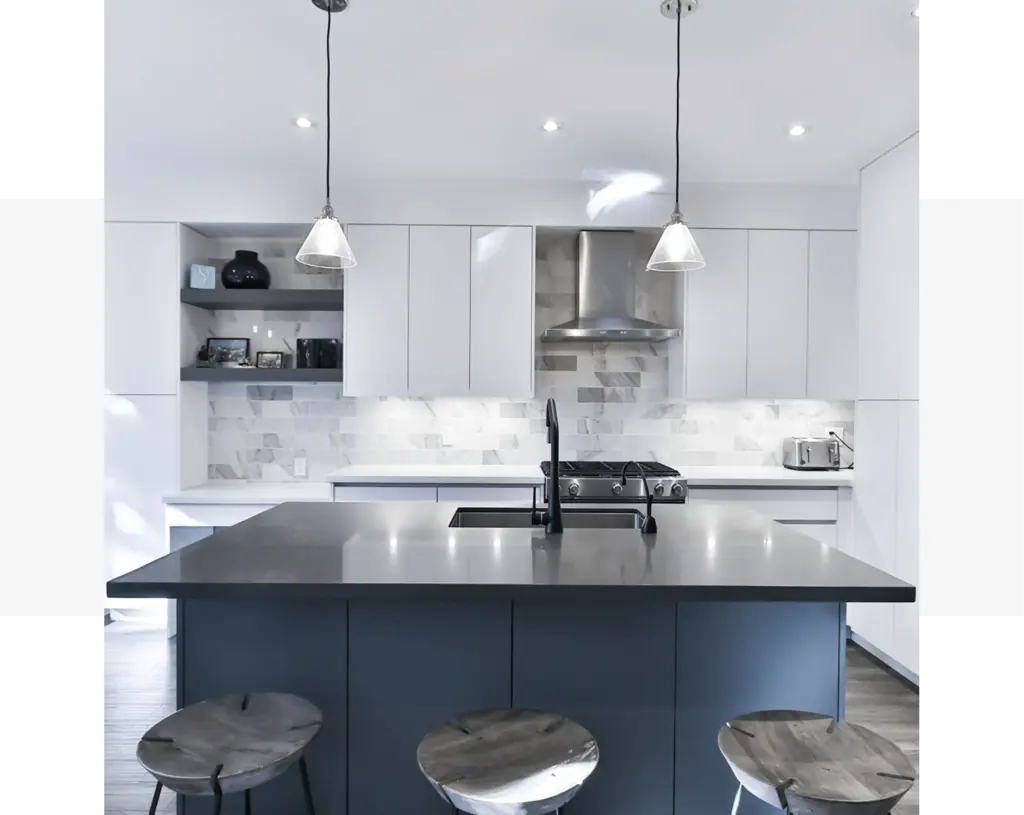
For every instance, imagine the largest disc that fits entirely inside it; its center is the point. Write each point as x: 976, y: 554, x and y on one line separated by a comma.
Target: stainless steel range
x: 601, y: 481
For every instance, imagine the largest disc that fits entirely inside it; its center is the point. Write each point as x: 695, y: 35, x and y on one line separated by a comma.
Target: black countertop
x: 392, y: 549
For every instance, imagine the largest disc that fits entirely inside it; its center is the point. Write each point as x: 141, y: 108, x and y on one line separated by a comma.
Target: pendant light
x: 326, y: 247
x: 677, y: 250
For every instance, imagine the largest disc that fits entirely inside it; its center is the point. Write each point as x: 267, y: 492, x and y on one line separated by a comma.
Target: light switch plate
x: 300, y: 468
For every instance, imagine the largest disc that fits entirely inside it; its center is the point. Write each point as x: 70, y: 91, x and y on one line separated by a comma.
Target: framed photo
x: 270, y: 359
x: 231, y: 352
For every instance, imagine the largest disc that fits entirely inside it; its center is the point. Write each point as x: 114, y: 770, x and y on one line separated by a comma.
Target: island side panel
x: 609, y: 666
x: 413, y: 665
x: 735, y: 658
x: 291, y: 646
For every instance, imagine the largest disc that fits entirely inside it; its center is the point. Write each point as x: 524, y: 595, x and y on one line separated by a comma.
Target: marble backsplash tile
x: 612, y: 403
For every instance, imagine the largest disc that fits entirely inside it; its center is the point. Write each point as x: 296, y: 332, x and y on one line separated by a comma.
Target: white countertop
x: 252, y: 492
x: 269, y: 492
x: 482, y: 474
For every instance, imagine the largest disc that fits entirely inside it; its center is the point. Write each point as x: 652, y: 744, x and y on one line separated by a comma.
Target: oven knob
x: 574, y: 489
x: 659, y: 489
x: 677, y: 489
x: 617, y: 488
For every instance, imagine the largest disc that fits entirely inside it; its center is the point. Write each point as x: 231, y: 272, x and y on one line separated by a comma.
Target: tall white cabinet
x: 885, y: 492
x: 439, y: 311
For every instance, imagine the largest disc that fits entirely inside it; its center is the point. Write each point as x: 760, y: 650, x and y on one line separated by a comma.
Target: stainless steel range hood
x: 605, y: 288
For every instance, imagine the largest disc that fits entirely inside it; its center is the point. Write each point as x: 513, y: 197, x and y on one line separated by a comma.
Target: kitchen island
x: 391, y: 621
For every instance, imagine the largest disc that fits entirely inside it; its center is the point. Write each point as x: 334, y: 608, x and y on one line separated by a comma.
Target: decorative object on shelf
x: 245, y: 271
x: 677, y: 250
x: 203, y: 358
x: 326, y: 248
x: 269, y: 359
x: 229, y: 352
x: 305, y: 354
x: 202, y: 277
x: 318, y: 353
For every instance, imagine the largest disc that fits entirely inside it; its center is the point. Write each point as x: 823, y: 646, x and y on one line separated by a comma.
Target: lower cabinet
x: 825, y: 533
x: 462, y: 493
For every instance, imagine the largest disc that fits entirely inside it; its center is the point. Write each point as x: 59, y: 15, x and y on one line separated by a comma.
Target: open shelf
x: 255, y: 375
x: 265, y: 299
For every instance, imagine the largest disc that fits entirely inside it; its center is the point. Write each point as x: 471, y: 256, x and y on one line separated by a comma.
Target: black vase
x: 245, y: 271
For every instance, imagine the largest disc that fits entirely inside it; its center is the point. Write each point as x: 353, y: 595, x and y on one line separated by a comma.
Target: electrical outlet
x: 447, y: 437
x: 300, y: 467
x: 837, y: 430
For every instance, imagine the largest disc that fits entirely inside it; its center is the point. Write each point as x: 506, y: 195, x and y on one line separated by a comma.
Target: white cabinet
x: 502, y: 307
x: 495, y: 494
x: 715, y: 324
x: 777, y: 315
x: 905, y: 649
x: 142, y: 276
x: 824, y: 533
x: 874, y: 513
x: 376, y: 347
x: 887, y: 276
x: 373, y: 493
x: 439, y: 310
x: 140, y: 467
x: 832, y: 316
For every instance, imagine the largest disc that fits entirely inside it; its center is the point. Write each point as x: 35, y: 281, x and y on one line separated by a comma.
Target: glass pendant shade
x: 326, y: 246
x: 677, y: 250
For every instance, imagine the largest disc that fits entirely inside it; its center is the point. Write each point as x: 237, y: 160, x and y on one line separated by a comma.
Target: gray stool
x: 230, y: 744
x: 507, y: 762
x: 809, y: 764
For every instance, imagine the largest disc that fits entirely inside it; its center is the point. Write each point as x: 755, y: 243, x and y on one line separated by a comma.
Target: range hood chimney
x: 605, y: 288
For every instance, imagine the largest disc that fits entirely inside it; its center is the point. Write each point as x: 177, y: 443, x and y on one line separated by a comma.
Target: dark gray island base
x: 392, y: 623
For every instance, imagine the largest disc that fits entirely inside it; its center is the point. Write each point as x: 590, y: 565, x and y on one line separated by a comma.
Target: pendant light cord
x: 328, y: 179
x: 679, y: 75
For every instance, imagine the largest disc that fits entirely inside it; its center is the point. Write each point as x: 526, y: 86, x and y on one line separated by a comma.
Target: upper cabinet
x: 502, y: 308
x: 777, y: 315
x: 142, y: 276
x: 832, y: 316
x: 771, y: 316
x: 376, y: 346
x: 715, y: 322
x: 439, y: 311
x: 887, y: 274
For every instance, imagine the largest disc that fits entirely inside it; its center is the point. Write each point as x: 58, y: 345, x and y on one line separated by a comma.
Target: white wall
x: 209, y: 198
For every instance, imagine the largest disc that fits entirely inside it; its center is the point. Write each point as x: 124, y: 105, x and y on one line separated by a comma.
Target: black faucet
x: 552, y: 518
x: 649, y: 526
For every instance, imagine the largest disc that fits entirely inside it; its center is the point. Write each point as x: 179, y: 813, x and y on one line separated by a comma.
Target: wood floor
x: 139, y: 691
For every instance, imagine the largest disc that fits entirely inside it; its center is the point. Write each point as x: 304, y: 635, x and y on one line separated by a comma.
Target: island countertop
x: 406, y: 549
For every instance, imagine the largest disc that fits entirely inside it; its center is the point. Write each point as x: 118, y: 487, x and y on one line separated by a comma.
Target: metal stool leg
x: 156, y: 798
x: 218, y: 799
x: 736, y: 800
x: 307, y: 794
x: 248, y: 804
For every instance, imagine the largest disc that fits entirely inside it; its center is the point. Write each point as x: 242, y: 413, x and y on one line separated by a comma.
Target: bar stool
x: 810, y: 764
x: 507, y: 761
x: 230, y: 744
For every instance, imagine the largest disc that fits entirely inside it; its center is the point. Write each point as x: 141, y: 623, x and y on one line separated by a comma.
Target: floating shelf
x: 265, y: 299
x: 257, y: 375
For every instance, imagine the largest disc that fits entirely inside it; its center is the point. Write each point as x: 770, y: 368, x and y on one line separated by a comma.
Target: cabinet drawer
x: 372, y: 494
x: 488, y: 494
x: 825, y: 533
x: 777, y: 504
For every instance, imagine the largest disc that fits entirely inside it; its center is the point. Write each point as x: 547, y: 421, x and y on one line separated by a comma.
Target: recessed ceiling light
x: 303, y: 122
x: 550, y: 126
x: 797, y: 130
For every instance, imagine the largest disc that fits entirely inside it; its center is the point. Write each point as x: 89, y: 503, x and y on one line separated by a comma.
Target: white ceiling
x: 457, y: 89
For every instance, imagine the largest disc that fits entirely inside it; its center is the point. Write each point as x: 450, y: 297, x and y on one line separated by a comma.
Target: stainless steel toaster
x: 810, y: 453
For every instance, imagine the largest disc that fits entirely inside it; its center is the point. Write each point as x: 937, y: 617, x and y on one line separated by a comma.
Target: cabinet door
x: 777, y: 315
x: 715, y: 328
x: 832, y: 317
x: 140, y: 467
x: 376, y: 352
x: 142, y: 277
x: 907, y: 538
x: 501, y: 327
x: 823, y: 533
x: 874, y: 513
x: 439, y: 311
x: 909, y: 263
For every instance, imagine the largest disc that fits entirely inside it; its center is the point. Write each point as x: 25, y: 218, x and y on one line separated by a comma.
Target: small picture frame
x: 201, y: 276
x: 228, y: 352
x: 269, y: 359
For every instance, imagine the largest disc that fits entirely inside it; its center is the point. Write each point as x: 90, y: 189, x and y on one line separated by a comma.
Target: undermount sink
x: 479, y: 518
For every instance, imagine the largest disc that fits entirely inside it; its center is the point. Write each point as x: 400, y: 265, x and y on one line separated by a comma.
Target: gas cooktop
x: 601, y: 481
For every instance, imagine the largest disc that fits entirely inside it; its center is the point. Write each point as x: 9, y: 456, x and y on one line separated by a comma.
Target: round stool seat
x: 508, y: 762
x: 229, y: 744
x: 810, y: 764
